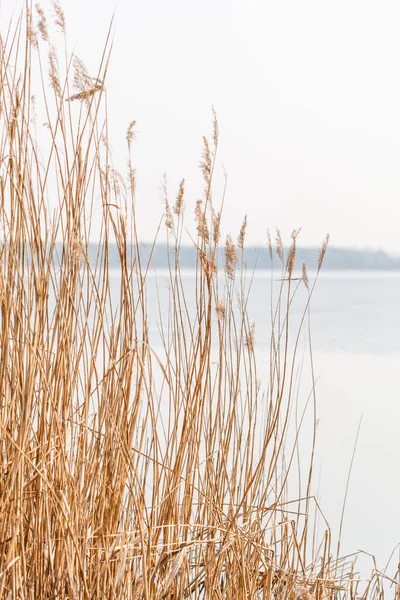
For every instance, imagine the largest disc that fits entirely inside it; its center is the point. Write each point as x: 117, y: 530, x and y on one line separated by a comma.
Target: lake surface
x: 355, y: 322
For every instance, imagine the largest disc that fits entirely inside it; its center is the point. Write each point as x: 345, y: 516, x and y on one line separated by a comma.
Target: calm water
x: 356, y: 340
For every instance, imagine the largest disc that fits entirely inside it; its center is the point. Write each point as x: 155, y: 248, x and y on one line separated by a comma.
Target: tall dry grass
x: 129, y: 471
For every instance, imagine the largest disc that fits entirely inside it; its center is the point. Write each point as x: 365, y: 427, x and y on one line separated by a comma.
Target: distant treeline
x: 259, y: 258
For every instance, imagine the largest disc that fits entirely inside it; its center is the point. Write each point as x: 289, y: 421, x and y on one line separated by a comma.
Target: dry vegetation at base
x: 104, y: 493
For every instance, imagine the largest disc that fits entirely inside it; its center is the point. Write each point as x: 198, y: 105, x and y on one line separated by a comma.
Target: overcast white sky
x: 308, y: 99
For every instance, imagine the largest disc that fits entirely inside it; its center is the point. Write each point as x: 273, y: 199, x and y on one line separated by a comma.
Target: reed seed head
x: 242, y: 233
x: 117, y: 182
x: 292, y: 254
x: 206, y: 162
x: 322, y: 253
x: 132, y: 178
x: 220, y: 310
x: 77, y: 252
x: 31, y: 33
x: 131, y: 134
x: 53, y: 71
x: 269, y: 242
x: 82, y: 81
x: 42, y: 23
x: 231, y: 258
x: 202, y: 227
x: 279, y: 245
x: 179, y: 198
x: 216, y: 227
x: 250, y: 339
x: 208, y: 263
x: 169, y: 220
x: 85, y: 95
x: 305, y: 275
x: 215, y: 130
x: 59, y: 19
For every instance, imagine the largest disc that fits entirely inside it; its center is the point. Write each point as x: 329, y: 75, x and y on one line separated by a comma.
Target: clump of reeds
x: 126, y: 471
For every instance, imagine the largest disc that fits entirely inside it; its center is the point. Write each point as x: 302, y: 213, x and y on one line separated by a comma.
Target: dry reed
x: 105, y: 494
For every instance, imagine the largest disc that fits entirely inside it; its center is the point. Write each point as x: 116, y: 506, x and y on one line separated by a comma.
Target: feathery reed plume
x: 202, y: 228
x: 269, y: 243
x: 130, y: 137
x: 77, y: 251
x: 216, y: 223
x: 132, y: 178
x: 59, y: 19
x: 231, y: 258
x: 279, y: 245
x: 322, y: 253
x: 86, y: 94
x: 206, y: 163
x: 169, y: 220
x: 220, y: 310
x: 198, y: 210
x: 82, y: 80
x: 42, y: 23
x: 215, y: 129
x: 178, y: 207
x: 242, y: 233
x: 131, y: 134
x: 291, y: 259
x: 208, y: 264
x: 86, y: 85
x: 117, y: 182
x: 53, y: 72
x: 250, y: 339
x: 305, y: 275
x: 30, y: 30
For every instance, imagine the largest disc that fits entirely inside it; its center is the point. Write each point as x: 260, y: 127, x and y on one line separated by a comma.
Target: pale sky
x: 307, y: 95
